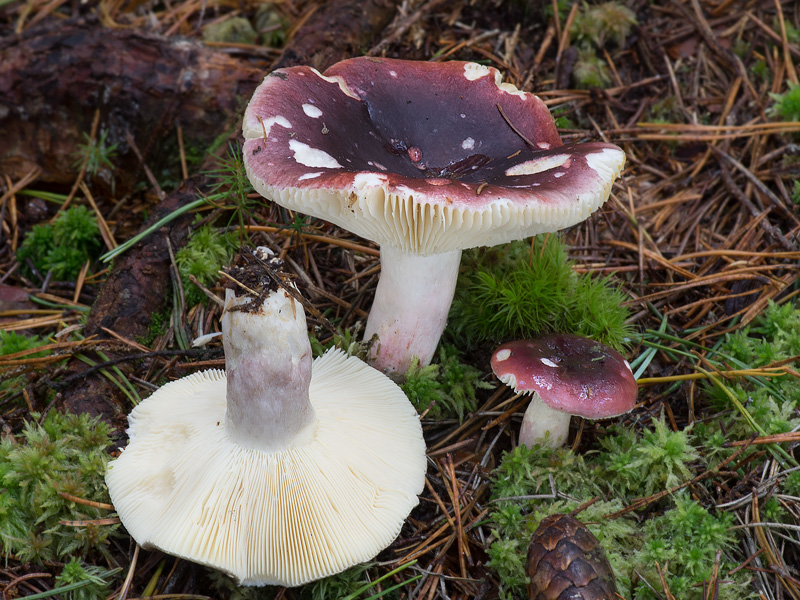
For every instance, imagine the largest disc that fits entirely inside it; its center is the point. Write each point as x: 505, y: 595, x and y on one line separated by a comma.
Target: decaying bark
x: 53, y: 79
x: 51, y: 82
x: 134, y: 291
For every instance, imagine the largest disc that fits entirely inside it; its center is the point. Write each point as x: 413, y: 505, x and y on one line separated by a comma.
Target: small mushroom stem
x: 268, y: 364
x: 538, y: 420
x: 410, y: 308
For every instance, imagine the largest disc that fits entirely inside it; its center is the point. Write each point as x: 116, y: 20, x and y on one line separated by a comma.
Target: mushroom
x: 566, y: 375
x: 426, y: 159
x: 279, y: 470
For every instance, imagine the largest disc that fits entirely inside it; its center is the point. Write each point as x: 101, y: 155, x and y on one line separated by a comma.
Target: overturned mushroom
x: 566, y: 375
x: 279, y: 471
x: 426, y: 159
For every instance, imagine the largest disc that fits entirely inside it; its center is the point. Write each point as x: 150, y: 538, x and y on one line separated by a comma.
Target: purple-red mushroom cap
x: 426, y: 157
x: 570, y: 373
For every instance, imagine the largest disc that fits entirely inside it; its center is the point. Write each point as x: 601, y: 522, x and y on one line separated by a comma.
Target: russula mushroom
x: 279, y: 470
x: 566, y: 375
x: 426, y: 159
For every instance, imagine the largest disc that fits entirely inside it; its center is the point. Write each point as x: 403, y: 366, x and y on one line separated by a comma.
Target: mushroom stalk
x: 538, y: 420
x: 410, y: 309
x: 268, y: 363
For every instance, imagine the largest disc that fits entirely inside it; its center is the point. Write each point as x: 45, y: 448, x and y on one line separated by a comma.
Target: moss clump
x: 66, y: 453
x: 641, y: 465
x: 204, y: 254
x: 90, y: 582
x: 602, y: 23
x: 62, y: 247
x: 236, y: 30
x: 522, y: 290
x: 446, y: 389
x: 683, y: 539
x: 787, y: 105
x: 770, y: 404
x: 12, y: 342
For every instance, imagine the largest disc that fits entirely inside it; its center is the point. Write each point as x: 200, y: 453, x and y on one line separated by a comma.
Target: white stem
x: 410, y: 307
x: 268, y: 365
x: 540, y: 419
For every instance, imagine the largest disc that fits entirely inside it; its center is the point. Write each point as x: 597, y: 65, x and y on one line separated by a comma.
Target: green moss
x: 787, y: 105
x: 66, y: 453
x: 12, y: 342
x: 590, y: 70
x: 347, y: 340
x: 683, y: 539
x: 602, y: 23
x: 96, y: 581
x: 446, y: 389
x: 236, y: 30
x: 684, y: 542
x: 97, y: 154
x: 518, y: 291
x: 272, y: 25
x: 204, y: 254
x: 232, y: 184
x: 62, y: 247
x: 641, y: 465
x: 772, y: 403
x: 159, y: 323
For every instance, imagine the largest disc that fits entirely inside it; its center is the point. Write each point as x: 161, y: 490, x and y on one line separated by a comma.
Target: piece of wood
x: 55, y: 77
x: 136, y: 288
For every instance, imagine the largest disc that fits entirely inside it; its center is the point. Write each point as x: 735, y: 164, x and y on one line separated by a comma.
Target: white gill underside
x: 423, y: 228
x: 283, y: 518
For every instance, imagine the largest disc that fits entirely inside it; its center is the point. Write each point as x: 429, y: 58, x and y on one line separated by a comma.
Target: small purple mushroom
x: 426, y: 159
x: 566, y: 375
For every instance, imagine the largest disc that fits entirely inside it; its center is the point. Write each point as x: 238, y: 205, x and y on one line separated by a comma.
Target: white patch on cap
x: 468, y: 144
x: 473, y: 71
x: 510, y: 88
x: 372, y: 180
x: 312, y: 157
x: 548, y: 363
x: 312, y: 111
x: 393, y: 73
x: 559, y: 174
x: 543, y: 145
x: 502, y: 354
x: 463, y: 116
x: 338, y: 80
x: 309, y: 176
x: 380, y: 166
x: 607, y: 163
x: 257, y: 131
x: 537, y: 165
x: 627, y: 364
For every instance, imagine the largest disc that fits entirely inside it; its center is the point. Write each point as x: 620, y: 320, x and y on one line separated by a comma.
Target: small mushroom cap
x: 284, y: 517
x: 426, y: 157
x: 570, y: 373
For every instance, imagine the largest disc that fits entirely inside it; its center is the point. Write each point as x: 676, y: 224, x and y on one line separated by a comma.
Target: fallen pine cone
x: 566, y: 562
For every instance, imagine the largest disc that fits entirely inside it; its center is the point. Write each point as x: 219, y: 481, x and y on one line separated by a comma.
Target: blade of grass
x: 60, y: 590
x: 155, y: 227
x: 779, y: 453
x: 370, y: 584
